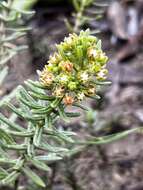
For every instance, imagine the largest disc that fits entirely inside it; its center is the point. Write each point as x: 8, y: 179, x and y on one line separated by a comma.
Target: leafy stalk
x: 71, y: 76
x: 11, y: 29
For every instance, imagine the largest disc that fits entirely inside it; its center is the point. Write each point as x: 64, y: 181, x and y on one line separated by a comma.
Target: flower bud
x: 63, y: 79
x: 72, y: 85
x: 46, y: 78
x: 68, y: 100
x: 58, y: 92
x: 66, y: 66
x: 91, y: 90
x: 92, y: 53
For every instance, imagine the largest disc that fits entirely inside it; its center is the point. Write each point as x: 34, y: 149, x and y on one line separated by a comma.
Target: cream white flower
x: 80, y: 96
x: 63, y: 79
x: 58, y: 92
x: 84, y: 76
x: 68, y: 40
x: 92, y: 53
x: 102, y: 74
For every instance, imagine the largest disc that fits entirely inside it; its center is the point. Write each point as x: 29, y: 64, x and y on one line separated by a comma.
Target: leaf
x: 8, y: 97
x: 23, y: 5
x: 3, y: 74
x: 37, y: 84
x: 7, y: 161
x: 45, y: 110
x: 41, y: 96
x: 19, y: 134
x: 33, y: 176
x: 10, y: 178
x: 62, y: 113
x: 26, y: 99
x: 99, y: 45
x: 63, y: 136
x: 6, y: 59
x: 38, y: 135
x: 109, y: 138
x: 48, y: 122
x: 76, y: 5
x: 39, y: 164
x: 10, y: 124
x: 95, y: 97
x: 25, y: 116
x: 50, y: 157
x: 13, y: 36
x: 6, y: 137
x: 51, y: 148
x: 2, y: 152
x: 33, y: 88
x: 71, y: 114
x: 3, y: 173
x: 15, y: 146
x: 103, y: 82
x: 81, y: 106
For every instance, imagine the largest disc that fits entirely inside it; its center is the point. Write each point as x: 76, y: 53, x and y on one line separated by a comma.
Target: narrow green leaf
x: 70, y: 114
x: 54, y: 149
x: 42, y: 111
x: 102, y: 82
x: 34, y: 88
x: 81, y: 106
x: 33, y: 176
x: 6, y: 59
x: 95, y: 97
x: 19, y: 134
x: 40, y: 165
x: 48, y: 122
x: 3, y: 74
x: 31, y: 105
x: 62, y: 113
x: 6, y: 137
x: 10, y: 178
x: 15, y: 146
x: 37, y: 84
x: 99, y: 44
x: 37, y: 136
x: 23, y: 115
x: 109, y: 138
x: 50, y: 157
x: 8, y: 97
x: 7, y: 161
x: 3, y: 173
x: 63, y: 136
x: 41, y: 96
x: 10, y: 124
x: 76, y: 5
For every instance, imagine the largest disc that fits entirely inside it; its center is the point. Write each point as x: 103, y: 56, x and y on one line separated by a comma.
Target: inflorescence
x: 72, y: 72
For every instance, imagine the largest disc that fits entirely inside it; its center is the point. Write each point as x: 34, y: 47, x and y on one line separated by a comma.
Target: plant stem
x: 79, y: 18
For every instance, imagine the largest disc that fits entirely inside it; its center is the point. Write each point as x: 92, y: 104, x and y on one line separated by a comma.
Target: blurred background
x: 116, y: 165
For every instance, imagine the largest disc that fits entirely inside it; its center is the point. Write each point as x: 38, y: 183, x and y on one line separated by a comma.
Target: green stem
x: 78, y: 18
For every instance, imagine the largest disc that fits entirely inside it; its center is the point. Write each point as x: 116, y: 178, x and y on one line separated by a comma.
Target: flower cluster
x: 72, y: 72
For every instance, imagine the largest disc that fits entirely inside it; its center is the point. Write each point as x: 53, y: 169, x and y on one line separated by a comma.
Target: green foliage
x: 23, y: 4
x: 37, y: 141
x: 11, y: 29
x: 85, y: 12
